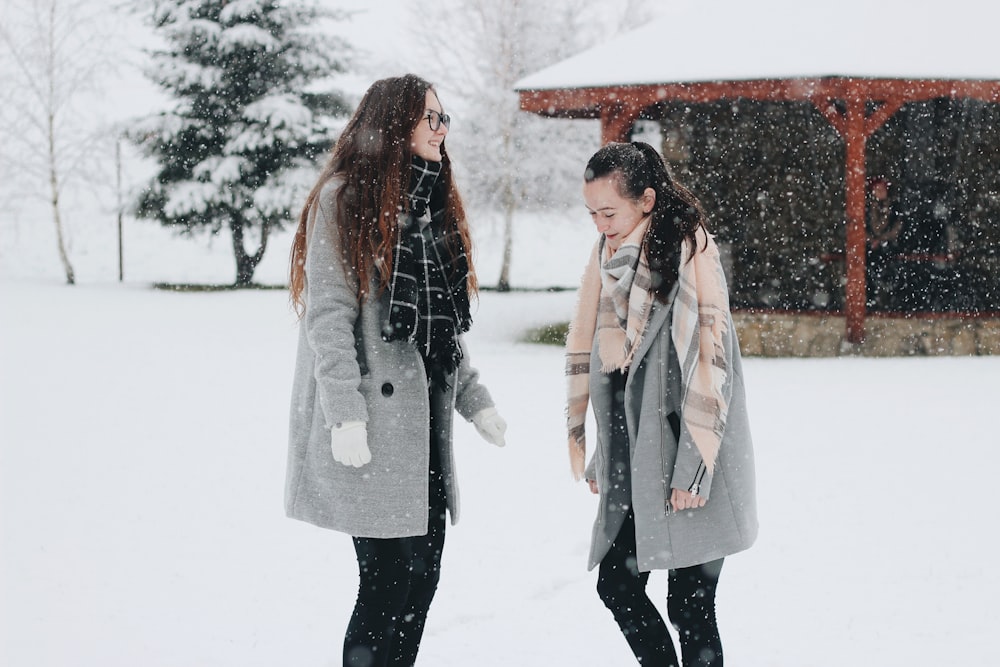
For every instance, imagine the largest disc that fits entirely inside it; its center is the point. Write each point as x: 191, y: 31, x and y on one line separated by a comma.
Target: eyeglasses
x: 435, y: 120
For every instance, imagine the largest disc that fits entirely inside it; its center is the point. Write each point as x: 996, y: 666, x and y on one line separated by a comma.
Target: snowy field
x: 142, y: 454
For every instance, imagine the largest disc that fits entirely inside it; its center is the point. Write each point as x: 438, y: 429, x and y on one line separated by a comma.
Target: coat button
x: 387, y: 389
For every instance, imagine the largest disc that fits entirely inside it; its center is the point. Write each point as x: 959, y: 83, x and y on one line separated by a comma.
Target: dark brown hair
x: 676, y: 215
x: 372, y: 158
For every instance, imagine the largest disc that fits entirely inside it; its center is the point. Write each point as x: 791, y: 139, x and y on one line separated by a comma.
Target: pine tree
x: 237, y: 148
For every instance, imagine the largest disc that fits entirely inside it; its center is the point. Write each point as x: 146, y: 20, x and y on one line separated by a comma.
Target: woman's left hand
x: 683, y: 500
x: 491, y: 426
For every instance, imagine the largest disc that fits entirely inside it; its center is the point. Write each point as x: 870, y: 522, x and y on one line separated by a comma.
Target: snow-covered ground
x: 142, y: 453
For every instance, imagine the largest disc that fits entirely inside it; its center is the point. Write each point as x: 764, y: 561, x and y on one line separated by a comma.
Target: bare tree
x: 53, y: 51
x: 518, y: 160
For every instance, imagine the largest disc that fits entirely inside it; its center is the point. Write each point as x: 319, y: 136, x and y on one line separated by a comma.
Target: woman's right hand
x: 349, y: 444
x: 593, y: 486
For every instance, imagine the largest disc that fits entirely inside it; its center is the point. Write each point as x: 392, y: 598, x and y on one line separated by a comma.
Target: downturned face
x: 613, y: 215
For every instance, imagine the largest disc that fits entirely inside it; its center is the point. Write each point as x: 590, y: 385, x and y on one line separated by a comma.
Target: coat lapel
x: 657, y: 320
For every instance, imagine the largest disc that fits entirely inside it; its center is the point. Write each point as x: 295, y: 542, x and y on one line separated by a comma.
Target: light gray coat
x: 345, y: 372
x: 666, y: 539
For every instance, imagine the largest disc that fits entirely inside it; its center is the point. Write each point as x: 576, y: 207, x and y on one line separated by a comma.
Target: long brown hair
x: 372, y: 159
x: 676, y: 215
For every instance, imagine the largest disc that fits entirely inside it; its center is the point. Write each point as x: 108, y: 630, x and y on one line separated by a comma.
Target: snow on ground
x: 142, y: 452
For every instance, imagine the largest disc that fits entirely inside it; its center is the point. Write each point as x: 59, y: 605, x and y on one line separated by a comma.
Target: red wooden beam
x: 881, y: 115
x: 828, y: 107
x: 586, y: 102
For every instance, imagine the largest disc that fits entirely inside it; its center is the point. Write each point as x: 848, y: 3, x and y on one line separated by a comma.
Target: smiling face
x: 424, y: 141
x: 615, y: 216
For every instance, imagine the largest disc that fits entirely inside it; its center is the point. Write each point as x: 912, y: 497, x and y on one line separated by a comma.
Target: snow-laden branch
x: 282, y: 110
x: 239, y: 10
x: 187, y: 198
x: 246, y: 36
x: 177, y: 73
x: 221, y: 170
x: 283, y: 190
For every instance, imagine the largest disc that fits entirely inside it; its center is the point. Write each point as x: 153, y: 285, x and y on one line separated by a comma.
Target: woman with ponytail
x: 381, y: 277
x: 673, y: 463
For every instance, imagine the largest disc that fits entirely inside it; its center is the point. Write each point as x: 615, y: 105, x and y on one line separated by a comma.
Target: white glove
x: 491, y: 426
x: 349, y: 444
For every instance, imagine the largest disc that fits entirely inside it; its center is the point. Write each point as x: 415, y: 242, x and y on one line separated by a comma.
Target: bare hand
x: 683, y: 500
x: 593, y: 486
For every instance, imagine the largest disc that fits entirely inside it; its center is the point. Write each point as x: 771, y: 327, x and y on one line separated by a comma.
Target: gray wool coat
x: 660, y: 460
x: 344, y: 371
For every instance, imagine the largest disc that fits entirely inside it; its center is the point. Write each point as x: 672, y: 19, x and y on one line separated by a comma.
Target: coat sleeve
x: 331, y: 312
x: 690, y: 472
x: 470, y: 395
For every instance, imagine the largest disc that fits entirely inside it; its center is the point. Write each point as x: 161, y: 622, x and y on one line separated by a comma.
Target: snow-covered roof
x: 720, y: 40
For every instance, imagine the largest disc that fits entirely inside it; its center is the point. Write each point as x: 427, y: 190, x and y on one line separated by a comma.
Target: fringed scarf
x: 429, y: 293
x: 699, y: 323
x: 623, y: 308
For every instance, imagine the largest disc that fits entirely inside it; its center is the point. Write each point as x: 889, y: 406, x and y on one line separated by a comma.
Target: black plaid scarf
x: 429, y: 295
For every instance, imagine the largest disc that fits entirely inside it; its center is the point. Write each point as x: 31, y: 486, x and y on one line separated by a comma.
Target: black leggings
x: 690, y: 607
x: 398, y: 578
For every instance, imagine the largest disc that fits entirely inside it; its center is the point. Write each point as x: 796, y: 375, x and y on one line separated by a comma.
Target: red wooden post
x: 617, y: 120
x: 854, y: 126
x: 854, y: 193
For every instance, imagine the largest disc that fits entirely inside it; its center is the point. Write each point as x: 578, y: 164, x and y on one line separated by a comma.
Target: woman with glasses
x: 381, y: 277
x: 653, y: 351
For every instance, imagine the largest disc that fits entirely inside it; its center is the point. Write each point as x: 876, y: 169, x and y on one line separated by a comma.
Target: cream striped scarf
x: 699, y: 323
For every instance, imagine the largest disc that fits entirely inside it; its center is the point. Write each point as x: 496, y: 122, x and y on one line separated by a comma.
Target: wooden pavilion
x: 857, y: 69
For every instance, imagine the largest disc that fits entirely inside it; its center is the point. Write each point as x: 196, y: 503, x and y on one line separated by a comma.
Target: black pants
x: 690, y: 607
x: 398, y: 578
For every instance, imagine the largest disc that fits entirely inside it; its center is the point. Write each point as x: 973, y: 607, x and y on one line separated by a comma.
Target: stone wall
x: 817, y: 335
